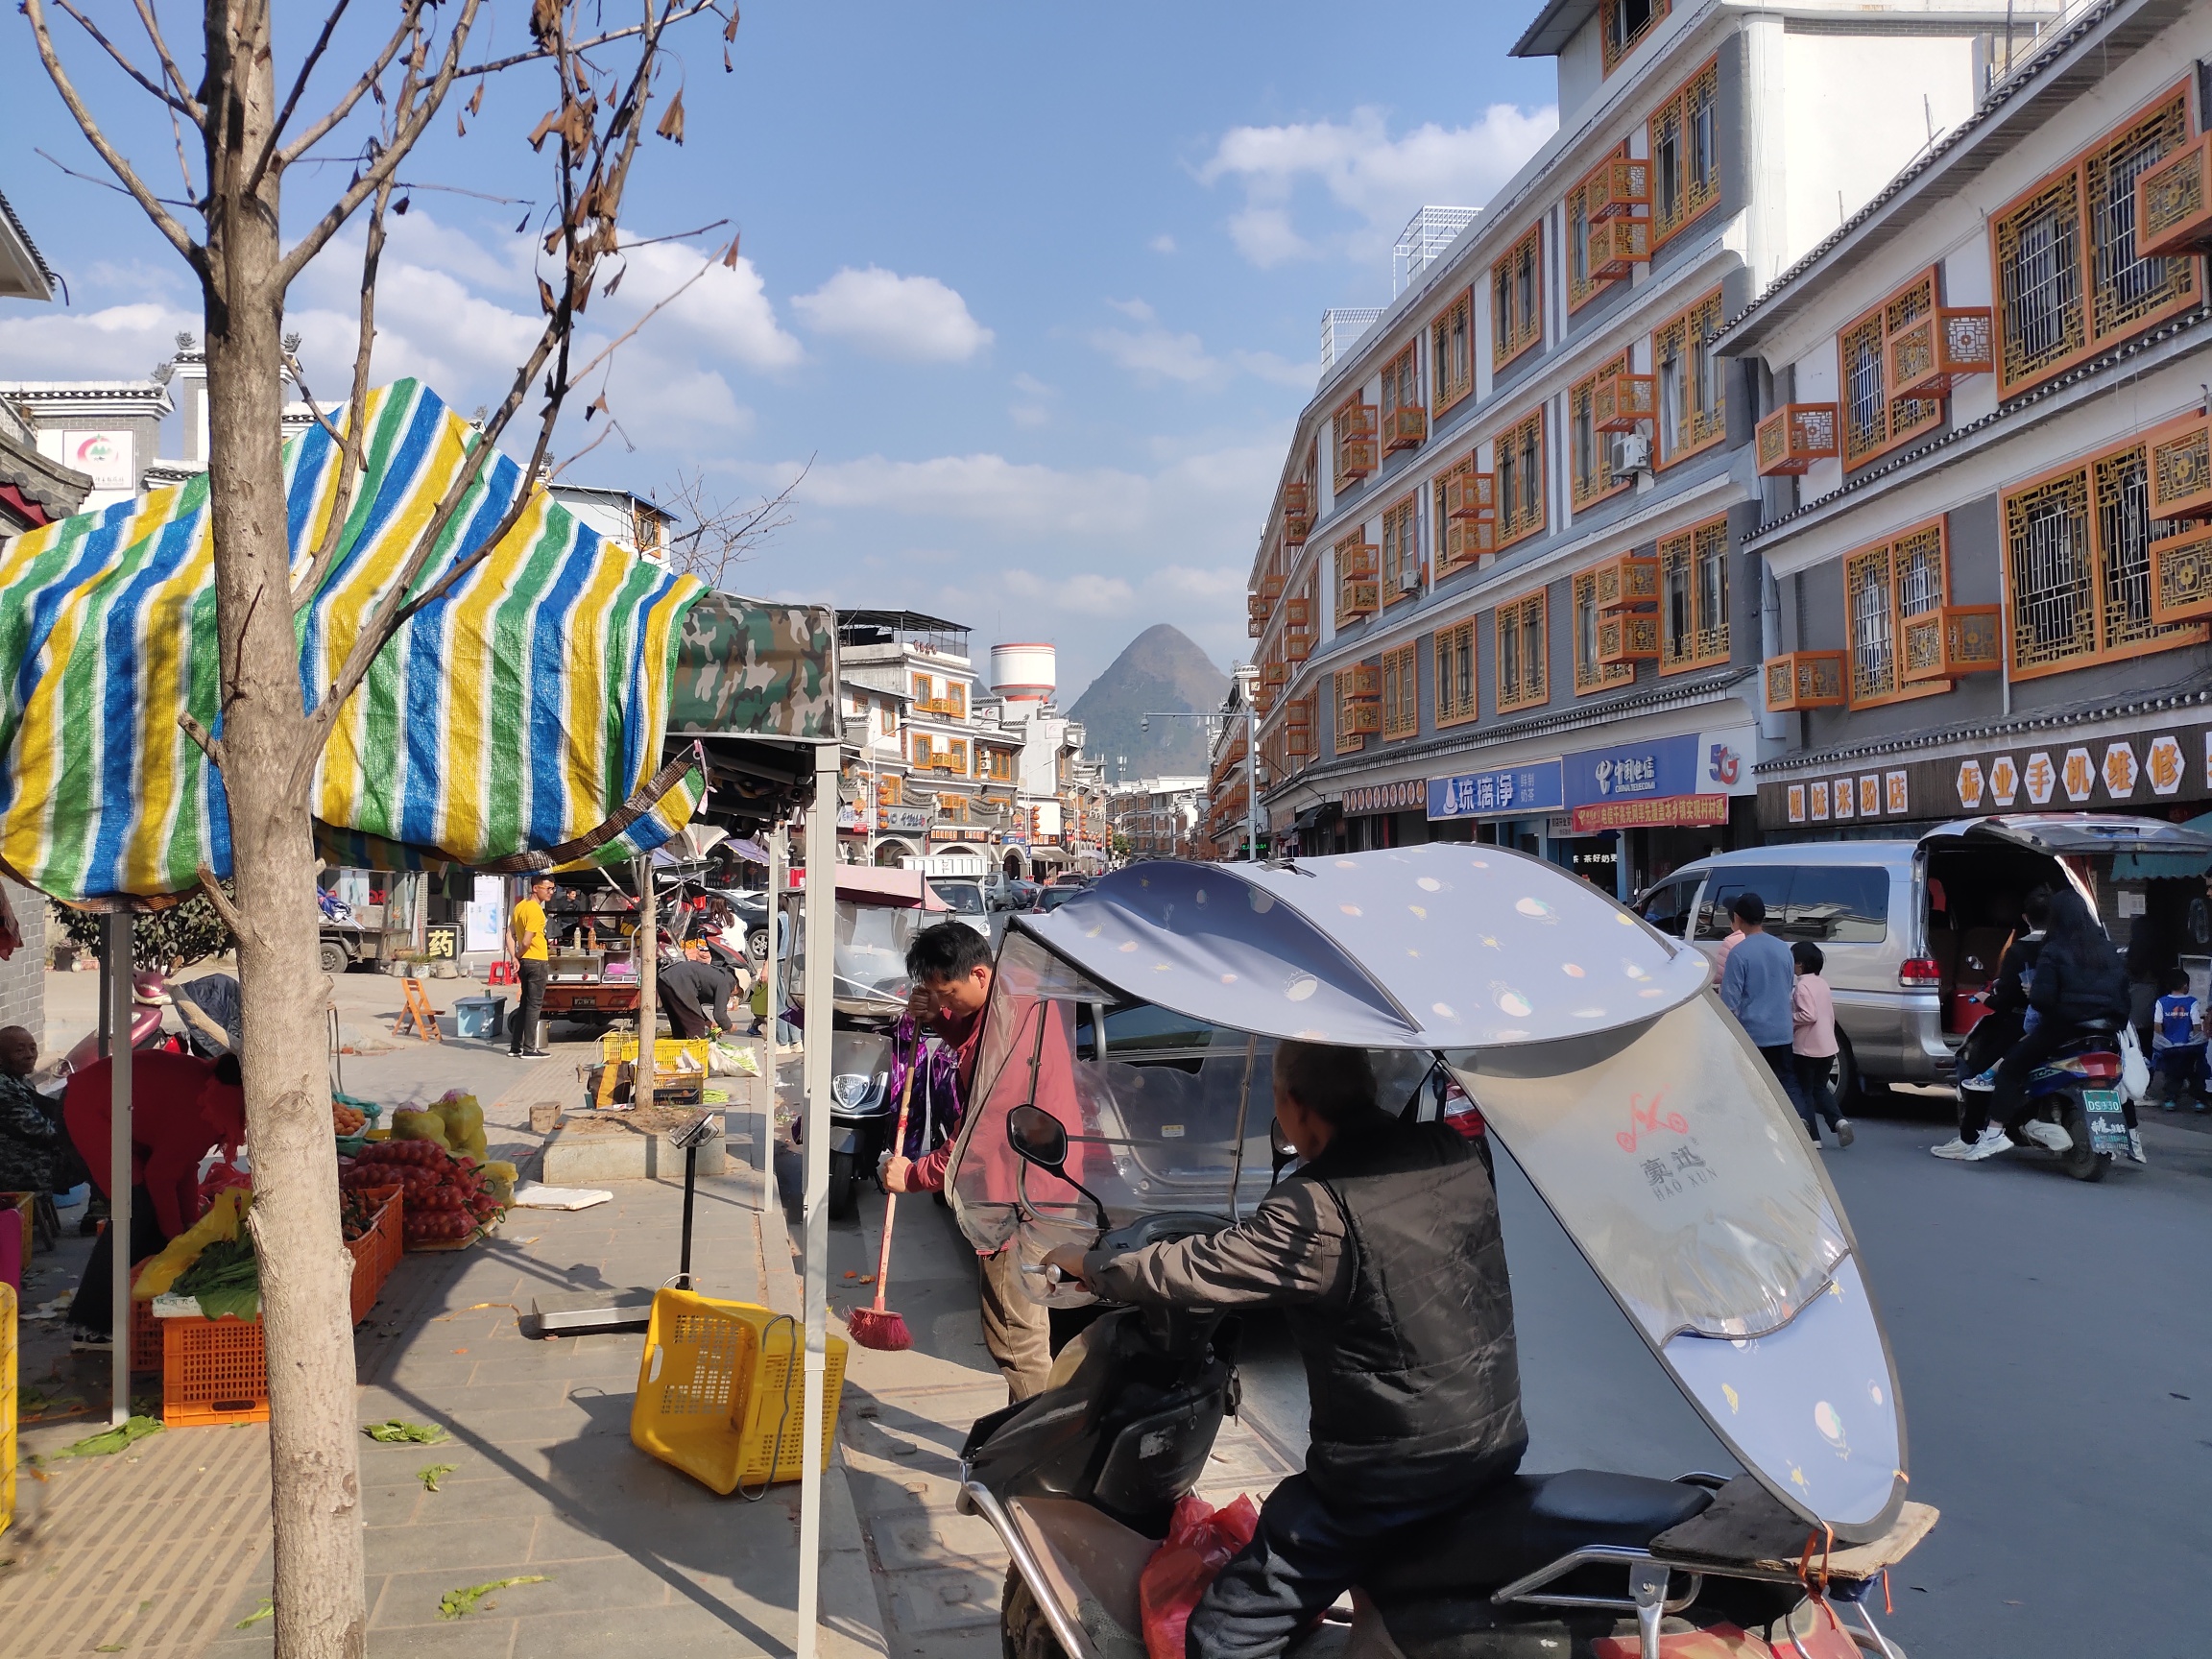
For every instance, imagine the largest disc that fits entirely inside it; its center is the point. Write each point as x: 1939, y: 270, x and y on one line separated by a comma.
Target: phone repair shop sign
x: 2145, y: 772
x: 1659, y: 782
x: 1507, y: 792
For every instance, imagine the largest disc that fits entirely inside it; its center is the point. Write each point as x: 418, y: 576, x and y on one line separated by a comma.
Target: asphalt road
x: 2054, y: 1345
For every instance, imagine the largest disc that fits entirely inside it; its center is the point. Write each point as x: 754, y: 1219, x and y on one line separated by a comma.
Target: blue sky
x: 1038, y: 287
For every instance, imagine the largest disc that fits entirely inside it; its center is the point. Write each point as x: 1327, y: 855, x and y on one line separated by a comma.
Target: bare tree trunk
x: 316, y: 1488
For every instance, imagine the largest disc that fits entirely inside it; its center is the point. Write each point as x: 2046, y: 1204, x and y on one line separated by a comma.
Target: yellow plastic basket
x: 7, y: 1403
x: 673, y: 1057
x: 712, y: 1396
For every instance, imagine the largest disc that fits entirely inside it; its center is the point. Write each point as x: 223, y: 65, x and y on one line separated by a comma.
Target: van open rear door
x: 2075, y: 834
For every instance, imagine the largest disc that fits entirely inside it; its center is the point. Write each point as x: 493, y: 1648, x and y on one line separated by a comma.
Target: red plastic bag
x: 1200, y: 1542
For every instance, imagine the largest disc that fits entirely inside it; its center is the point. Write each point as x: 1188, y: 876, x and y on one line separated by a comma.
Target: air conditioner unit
x: 1630, y: 452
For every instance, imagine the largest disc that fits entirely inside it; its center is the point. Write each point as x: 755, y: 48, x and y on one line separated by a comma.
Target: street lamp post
x: 1251, y: 719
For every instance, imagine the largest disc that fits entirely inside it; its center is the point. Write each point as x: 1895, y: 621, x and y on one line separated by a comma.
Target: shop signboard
x: 484, y: 922
x: 1660, y: 781
x: 1407, y: 796
x: 948, y: 832
x: 906, y: 820
x: 2145, y: 771
x: 1505, y: 792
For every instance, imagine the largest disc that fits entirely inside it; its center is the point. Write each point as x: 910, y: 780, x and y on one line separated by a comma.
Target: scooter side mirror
x: 1038, y: 1137
x: 1279, y: 1143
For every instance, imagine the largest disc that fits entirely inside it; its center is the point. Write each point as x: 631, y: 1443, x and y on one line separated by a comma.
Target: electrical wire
x: 776, y: 1446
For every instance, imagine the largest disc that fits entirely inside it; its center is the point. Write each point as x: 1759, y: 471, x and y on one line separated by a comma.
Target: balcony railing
x: 1795, y: 437
x: 1805, y: 680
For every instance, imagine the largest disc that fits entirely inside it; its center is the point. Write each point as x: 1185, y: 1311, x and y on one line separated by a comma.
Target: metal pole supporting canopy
x: 118, y: 988
x: 821, y: 961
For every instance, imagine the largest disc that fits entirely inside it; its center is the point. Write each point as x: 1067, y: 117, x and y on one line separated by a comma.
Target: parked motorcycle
x: 1591, y: 1048
x: 149, y: 997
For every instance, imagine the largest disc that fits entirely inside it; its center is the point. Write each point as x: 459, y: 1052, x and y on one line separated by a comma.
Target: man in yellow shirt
x: 526, y: 944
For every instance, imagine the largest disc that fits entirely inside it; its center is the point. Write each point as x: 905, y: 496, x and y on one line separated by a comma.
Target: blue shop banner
x: 1511, y: 791
x: 1696, y: 763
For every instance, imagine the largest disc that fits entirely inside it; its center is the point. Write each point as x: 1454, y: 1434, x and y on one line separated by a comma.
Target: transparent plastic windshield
x: 1163, y: 1112
x: 1671, y: 1159
x: 870, y: 963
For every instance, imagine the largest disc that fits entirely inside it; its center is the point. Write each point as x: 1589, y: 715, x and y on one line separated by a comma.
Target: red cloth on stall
x: 180, y: 1110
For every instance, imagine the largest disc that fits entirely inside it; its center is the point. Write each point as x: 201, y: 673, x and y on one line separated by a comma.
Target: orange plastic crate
x: 378, y: 1251
x: 145, y: 1331
x: 212, y: 1371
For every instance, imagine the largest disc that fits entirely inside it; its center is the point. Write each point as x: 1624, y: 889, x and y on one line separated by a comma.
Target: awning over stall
x: 519, y: 721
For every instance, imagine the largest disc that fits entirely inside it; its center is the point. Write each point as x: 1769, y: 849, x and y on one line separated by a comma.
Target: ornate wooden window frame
x: 1347, y: 743
x: 1451, y: 366
x: 1691, y: 553
x: 1401, y: 390
x: 1906, y: 575
x: 1586, y: 489
x: 1590, y: 674
x: 1401, y: 693
x: 1680, y: 116
x: 1614, y: 46
x: 1865, y: 342
x: 1516, y: 325
x: 2080, y: 514
x: 1458, y: 700
x: 1524, y: 515
x: 1401, y: 570
x: 2095, y: 307
x: 1355, y: 422
x: 1582, y: 286
x: 1686, y: 332
x: 1525, y: 621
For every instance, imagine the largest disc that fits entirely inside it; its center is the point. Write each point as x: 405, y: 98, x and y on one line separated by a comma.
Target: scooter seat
x: 1529, y: 1521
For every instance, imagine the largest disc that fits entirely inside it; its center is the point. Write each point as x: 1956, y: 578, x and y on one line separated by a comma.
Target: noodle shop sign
x: 2145, y: 772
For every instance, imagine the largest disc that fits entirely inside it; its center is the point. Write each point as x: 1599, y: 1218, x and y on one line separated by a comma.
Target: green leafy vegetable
x: 227, y: 1279
x: 456, y: 1604
x: 110, y: 1441
x: 393, y: 1431
x: 265, y: 1610
x: 430, y: 1473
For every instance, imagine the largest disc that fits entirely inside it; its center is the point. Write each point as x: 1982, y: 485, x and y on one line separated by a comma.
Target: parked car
x: 1056, y: 895
x: 963, y: 896
x: 1912, y: 930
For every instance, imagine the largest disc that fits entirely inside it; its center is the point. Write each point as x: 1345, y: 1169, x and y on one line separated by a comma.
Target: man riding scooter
x: 1384, y: 1250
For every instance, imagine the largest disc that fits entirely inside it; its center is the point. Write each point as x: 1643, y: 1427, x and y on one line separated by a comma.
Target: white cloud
x: 1364, y: 170
x: 1162, y: 244
x: 1136, y: 310
x: 1280, y: 372
x: 116, y: 343
x: 1154, y: 354
x: 916, y: 319
x: 1024, y: 497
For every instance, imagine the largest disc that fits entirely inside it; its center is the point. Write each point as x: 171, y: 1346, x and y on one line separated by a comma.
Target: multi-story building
x: 1987, y: 459
x: 956, y: 786
x: 1057, y: 791
x: 620, y: 515
x: 1231, y: 771
x: 1502, y: 591
x: 1157, y: 818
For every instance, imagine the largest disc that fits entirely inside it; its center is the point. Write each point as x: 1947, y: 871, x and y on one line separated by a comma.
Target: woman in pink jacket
x: 1812, y: 1043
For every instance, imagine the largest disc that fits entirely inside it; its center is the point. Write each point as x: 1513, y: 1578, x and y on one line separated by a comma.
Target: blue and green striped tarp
x: 516, y: 721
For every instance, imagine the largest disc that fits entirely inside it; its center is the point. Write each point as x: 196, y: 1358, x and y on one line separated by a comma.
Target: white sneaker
x: 1992, y: 1142
x: 1982, y: 1083
x: 2048, y: 1135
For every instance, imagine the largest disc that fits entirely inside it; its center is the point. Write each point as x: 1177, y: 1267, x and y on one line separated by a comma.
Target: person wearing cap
x: 526, y: 946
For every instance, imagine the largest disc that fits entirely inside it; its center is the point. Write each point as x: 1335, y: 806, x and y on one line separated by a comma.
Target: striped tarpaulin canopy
x: 516, y: 722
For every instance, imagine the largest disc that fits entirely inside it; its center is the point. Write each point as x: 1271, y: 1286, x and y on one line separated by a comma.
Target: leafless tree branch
x: 410, y: 20
x: 41, y: 32
x: 307, y: 68
x: 537, y: 54
x: 724, y: 533
x: 125, y: 65
x: 192, y: 110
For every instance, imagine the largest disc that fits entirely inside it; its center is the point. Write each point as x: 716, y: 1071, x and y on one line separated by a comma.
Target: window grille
x: 1692, y: 411
x: 2069, y: 281
x: 1455, y: 674
x: 1401, y: 693
x: 2047, y: 537
x: 1684, y: 135
x: 1520, y: 467
x: 1592, y: 457
x: 1626, y: 23
x: 1402, y: 382
x: 1873, y: 420
x: 1579, y: 287
x: 2125, y: 532
x: 1400, y: 551
x: 1454, y: 376
x: 1883, y: 585
x: 1516, y: 298
x: 1519, y: 649
x: 1694, y: 597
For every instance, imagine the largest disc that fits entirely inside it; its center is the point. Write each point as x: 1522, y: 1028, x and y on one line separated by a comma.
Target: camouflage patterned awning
x: 748, y: 669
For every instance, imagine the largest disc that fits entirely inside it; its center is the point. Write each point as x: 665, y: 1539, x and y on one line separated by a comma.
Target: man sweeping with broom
x: 951, y: 967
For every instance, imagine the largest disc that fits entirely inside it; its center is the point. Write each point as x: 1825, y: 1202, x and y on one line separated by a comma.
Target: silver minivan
x: 1912, y: 930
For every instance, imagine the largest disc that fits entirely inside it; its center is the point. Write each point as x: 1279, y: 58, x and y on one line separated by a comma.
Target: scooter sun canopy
x: 1447, y: 945
x: 1143, y: 1016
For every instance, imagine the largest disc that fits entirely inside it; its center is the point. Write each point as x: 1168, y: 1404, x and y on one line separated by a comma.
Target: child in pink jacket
x: 1813, y: 1045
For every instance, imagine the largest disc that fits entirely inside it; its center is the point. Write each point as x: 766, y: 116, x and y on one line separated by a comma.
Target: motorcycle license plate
x: 2108, y: 1127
